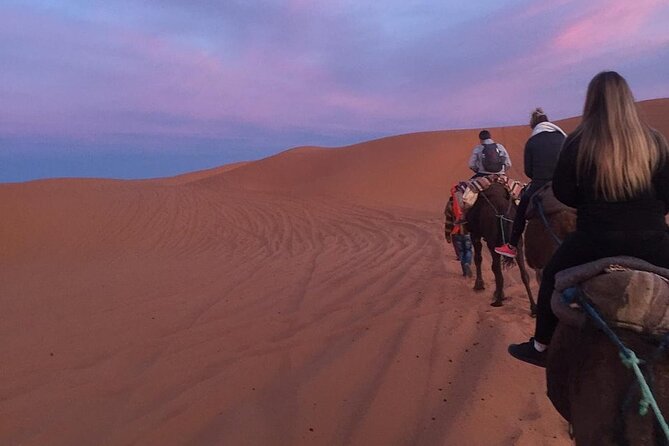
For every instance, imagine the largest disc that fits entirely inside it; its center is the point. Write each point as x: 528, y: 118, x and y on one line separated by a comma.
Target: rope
x: 628, y: 357
x: 540, y: 207
x: 501, y: 217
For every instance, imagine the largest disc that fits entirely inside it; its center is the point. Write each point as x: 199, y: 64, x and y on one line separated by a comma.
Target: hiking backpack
x: 492, y: 158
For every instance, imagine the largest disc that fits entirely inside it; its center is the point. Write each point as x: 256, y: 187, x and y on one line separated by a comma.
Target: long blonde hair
x: 614, y: 140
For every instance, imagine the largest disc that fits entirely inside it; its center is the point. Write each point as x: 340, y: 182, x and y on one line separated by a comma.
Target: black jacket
x: 643, y: 213
x: 541, y: 155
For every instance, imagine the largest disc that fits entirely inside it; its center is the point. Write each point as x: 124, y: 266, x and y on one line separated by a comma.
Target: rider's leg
x: 519, y: 220
x: 577, y: 248
x: 465, y: 242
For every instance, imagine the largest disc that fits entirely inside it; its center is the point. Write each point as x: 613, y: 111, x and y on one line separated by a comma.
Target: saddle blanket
x: 478, y: 185
x: 549, y: 203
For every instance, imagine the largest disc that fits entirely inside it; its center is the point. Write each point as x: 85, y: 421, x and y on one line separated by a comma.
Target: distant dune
x: 414, y: 170
x: 304, y: 299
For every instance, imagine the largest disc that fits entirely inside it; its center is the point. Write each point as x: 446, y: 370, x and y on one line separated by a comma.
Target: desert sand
x: 304, y: 299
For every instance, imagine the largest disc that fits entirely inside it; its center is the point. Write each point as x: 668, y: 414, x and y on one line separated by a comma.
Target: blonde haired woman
x: 614, y: 170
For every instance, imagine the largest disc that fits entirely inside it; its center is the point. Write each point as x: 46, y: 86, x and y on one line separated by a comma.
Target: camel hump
x: 629, y: 293
x: 549, y: 203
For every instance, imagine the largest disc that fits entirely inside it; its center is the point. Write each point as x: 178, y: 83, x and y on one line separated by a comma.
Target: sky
x: 138, y: 89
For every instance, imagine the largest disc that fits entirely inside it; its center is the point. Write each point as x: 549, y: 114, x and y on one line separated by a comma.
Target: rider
x: 541, y: 155
x: 488, y: 157
x: 614, y: 170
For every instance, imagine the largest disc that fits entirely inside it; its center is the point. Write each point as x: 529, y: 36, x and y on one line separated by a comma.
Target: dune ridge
x: 307, y: 298
x: 413, y: 170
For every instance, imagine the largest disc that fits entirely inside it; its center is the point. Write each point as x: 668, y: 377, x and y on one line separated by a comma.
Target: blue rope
x: 628, y: 357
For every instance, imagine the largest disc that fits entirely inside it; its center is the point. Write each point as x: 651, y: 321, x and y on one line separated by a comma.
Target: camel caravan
x: 591, y: 224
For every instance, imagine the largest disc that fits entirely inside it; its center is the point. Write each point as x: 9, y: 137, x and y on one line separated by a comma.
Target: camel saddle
x: 477, y: 185
x: 583, y: 364
x: 628, y: 292
x: 550, y: 204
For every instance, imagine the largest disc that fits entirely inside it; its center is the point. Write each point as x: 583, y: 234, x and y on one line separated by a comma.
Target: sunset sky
x: 132, y: 89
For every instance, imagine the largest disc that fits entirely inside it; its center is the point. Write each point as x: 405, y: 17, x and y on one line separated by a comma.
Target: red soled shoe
x: 507, y: 250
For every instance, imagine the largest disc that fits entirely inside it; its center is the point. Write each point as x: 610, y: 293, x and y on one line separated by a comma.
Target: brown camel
x: 490, y: 219
x: 592, y: 389
x: 587, y: 381
x: 542, y: 238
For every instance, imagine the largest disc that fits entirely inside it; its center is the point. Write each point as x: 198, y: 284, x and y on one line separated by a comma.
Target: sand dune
x: 413, y: 171
x: 307, y: 298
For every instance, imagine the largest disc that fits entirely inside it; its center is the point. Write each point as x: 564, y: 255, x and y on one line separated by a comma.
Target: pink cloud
x: 534, y: 9
x: 600, y: 37
x: 115, y: 69
x: 613, y: 23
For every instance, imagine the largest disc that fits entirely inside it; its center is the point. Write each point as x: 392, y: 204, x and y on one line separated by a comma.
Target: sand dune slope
x: 304, y: 299
x: 186, y: 315
x: 414, y: 171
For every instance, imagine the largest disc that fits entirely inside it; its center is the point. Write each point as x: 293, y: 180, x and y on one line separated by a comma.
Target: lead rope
x: 628, y: 357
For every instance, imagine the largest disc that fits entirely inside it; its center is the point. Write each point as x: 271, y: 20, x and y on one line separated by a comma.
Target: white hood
x: 546, y: 127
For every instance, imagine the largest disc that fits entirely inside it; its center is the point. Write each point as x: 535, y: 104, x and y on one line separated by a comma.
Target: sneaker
x: 507, y: 251
x: 526, y: 352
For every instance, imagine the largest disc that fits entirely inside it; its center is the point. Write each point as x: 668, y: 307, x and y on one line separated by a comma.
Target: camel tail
x: 507, y: 262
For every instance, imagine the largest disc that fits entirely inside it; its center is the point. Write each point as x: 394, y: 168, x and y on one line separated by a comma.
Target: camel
x: 542, y: 237
x: 587, y: 382
x: 490, y: 219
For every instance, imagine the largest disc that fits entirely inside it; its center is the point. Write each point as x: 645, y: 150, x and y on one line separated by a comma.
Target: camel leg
x: 478, y: 258
x: 520, y: 260
x: 498, y: 296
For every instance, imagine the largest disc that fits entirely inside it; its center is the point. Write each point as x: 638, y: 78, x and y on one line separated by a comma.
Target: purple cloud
x: 145, y: 75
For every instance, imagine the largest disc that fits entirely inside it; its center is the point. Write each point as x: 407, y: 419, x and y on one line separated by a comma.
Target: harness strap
x: 501, y: 217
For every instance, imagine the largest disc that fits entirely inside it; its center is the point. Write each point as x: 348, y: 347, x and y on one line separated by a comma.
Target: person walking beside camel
x: 541, y: 155
x: 457, y: 234
x: 614, y: 170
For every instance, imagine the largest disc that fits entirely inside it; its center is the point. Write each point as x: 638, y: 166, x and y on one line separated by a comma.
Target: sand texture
x: 305, y: 299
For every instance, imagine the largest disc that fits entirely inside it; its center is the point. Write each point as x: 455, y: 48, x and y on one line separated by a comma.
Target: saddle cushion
x: 629, y: 293
x: 478, y: 185
x: 551, y: 205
